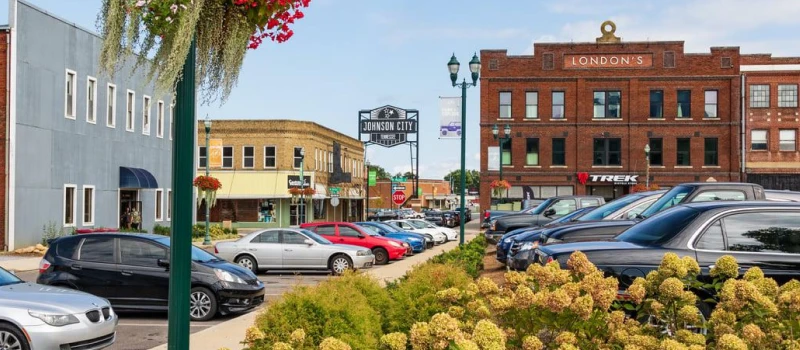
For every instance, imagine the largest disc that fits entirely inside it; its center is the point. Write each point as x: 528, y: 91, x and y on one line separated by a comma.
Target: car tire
x: 12, y: 338
x: 340, y: 263
x: 247, y: 262
x: 202, y: 304
x: 381, y: 256
x: 444, y: 132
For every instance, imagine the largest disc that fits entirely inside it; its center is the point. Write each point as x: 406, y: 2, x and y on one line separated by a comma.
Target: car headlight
x: 394, y: 244
x: 55, y: 320
x: 493, y: 224
x: 228, y: 277
x: 553, y: 240
x: 507, y: 240
x: 529, y: 245
x: 364, y: 253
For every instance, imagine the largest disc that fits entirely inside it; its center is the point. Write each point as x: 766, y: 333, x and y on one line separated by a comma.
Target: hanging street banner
x: 373, y: 178
x: 388, y: 125
x: 214, y: 153
x: 493, y: 158
x: 450, y: 122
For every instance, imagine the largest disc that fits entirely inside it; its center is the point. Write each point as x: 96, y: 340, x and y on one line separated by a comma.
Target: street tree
x: 380, y: 172
x: 473, y: 179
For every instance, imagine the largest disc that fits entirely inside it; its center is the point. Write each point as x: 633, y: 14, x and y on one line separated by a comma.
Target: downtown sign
x: 388, y: 126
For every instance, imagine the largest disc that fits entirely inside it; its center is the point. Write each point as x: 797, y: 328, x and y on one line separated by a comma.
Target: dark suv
x: 549, y: 210
x: 132, y: 272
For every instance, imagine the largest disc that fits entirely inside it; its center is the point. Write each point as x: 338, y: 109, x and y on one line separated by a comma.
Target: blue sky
x: 348, y: 55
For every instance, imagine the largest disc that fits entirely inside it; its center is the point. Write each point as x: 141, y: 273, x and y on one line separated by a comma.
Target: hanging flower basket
x: 295, y: 191
x: 498, y: 186
x: 207, y: 187
x: 308, y: 191
x: 161, y: 32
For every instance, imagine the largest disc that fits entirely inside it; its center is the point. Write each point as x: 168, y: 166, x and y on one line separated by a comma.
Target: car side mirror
x: 632, y: 215
x: 163, y: 263
x: 308, y: 241
x: 550, y: 212
x: 362, y: 236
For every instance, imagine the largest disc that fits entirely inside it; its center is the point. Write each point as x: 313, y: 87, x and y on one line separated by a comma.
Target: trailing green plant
x: 51, y: 230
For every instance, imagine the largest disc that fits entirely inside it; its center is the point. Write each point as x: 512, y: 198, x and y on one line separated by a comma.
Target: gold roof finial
x: 608, y: 28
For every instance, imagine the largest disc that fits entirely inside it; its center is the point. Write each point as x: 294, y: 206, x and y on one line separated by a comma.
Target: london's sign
x: 634, y: 60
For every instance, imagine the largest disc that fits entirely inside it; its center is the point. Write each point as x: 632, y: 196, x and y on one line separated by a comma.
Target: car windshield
x: 607, y: 209
x: 384, y: 226
x: 539, y: 208
x: 370, y: 230
x: 317, y: 238
x: 198, y: 254
x: 7, y: 278
x: 573, y: 215
x: 660, y: 228
x: 394, y: 226
x: 417, y: 224
x: 672, y: 198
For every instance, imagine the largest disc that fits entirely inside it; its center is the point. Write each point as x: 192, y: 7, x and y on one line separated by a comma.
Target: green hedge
x: 469, y: 256
x: 198, y: 231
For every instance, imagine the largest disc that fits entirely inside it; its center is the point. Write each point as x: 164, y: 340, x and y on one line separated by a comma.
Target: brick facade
x: 3, y: 130
x: 633, y: 69
x: 432, y: 191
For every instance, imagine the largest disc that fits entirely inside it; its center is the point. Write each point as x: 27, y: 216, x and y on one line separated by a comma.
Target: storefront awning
x: 136, y: 178
x: 321, y: 192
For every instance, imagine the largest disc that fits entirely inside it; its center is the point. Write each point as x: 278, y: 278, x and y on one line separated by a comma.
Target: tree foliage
x: 473, y: 179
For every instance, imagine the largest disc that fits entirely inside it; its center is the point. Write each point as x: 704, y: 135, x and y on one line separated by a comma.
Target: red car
x: 383, y: 248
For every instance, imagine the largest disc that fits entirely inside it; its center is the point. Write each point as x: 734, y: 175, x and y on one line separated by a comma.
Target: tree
x: 473, y: 179
x: 381, y: 173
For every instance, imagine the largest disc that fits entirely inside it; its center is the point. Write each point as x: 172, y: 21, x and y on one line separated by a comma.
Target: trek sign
x: 615, y: 179
x: 388, y: 126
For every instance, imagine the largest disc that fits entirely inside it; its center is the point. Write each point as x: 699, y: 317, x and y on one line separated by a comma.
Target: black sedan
x: 763, y: 234
x: 132, y: 272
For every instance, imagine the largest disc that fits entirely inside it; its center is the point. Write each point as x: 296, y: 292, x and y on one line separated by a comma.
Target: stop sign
x: 398, y: 197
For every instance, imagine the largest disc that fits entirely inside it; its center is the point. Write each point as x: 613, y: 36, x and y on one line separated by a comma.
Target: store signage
x: 372, y: 178
x: 294, y: 181
x: 614, y: 179
x: 641, y: 60
x: 400, y: 188
x: 388, y: 126
x: 399, y: 179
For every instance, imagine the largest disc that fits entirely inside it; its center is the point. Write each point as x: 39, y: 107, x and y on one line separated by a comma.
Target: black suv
x: 132, y: 272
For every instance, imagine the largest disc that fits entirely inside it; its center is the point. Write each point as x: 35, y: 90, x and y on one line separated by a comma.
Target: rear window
x: 67, y: 247
x: 660, y: 228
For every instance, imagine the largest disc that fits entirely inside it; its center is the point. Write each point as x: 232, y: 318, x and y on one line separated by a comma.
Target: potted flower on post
x: 498, y: 186
x: 207, y: 187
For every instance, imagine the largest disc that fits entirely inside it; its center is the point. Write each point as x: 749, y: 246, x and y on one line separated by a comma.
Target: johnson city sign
x: 635, y: 60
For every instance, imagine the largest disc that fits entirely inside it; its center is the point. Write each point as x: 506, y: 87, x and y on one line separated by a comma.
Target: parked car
x: 42, y: 317
x: 451, y: 234
x: 415, y: 240
x: 383, y: 215
x: 757, y: 233
x: 408, y: 213
x: 438, y: 236
x: 132, y: 271
x: 450, y: 219
x: 293, y: 249
x: 549, y: 210
x: 490, y: 215
x: 452, y: 127
x: 384, y: 249
x: 705, y: 192
x: 434, y: 217
x: 430, y: 241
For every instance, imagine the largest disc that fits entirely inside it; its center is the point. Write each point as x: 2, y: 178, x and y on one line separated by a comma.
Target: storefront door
x: 128, y: 201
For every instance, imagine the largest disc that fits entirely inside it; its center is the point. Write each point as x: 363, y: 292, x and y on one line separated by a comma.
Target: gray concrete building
x: 82, y: 148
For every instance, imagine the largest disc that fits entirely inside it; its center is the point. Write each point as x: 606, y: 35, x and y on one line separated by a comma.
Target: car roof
x: 712, y: 205
x: 740, y: 184
x: 149, y: 236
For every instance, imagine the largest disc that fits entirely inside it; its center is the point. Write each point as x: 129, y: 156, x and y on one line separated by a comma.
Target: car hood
x: 343, y: 247
x: 48, y: 299
x: 398, y: 235
x: 529, y: 234
x: 235, y: 269
x: 585, y: 247
x: 388, y: 239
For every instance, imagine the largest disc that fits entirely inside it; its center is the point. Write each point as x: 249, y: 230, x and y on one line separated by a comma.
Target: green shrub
x: 161, y: 230
x: 216, y: 231
x: 469, y: 256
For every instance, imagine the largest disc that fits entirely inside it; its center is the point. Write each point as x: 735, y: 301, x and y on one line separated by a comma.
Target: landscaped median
x: 438, y: 305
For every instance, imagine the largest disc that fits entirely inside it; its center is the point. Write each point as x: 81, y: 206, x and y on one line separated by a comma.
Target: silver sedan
x: 36, y: 316
x: 293, y: 249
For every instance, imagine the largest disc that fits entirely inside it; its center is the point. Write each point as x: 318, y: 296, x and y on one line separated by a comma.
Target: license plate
x: 369, y: 264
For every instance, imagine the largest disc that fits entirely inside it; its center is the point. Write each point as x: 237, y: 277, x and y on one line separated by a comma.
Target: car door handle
x: 252, y: 249
x: 127, y: 273
x: 76, y: 267
x: 287, y: 250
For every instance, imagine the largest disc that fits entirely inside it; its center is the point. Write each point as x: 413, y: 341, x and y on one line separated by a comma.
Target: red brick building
x: 3, y: 132
x: 435, y: 194
x: 579, y: 111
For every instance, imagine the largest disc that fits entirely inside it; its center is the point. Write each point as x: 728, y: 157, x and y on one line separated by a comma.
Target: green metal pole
x: 302, y: 194
x: 182, y: 175
x: 207, y: 239
x: 463, y: 159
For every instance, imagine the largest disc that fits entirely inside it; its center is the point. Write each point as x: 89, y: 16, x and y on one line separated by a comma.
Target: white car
x: 438, y: 236
x: 451, y: 234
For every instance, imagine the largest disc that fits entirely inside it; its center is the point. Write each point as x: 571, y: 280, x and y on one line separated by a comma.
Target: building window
x: 248, y: 157
x: 159, y: 205
x: 88, y: 205
x: 171, y: 120
x: 711, y: 152
x: 506, y: 153
x: 146, y: 115
x: 298, y: 157
x: 758, y: 140
x: 227, y: 157
x: 711, y: 104
x: 69, y: 95
x: 532, y: 152
x: 169, y: 204
x: 558, y: 105
x: 656, y: 152
x: 111, y: 106
x: 91, y: 100
x: 532, y: 105
x: 505, y: 105
x: 129, y: 109
x: 684, y: 152
x: 316, y: 159
x: 160, y: 119
x: 759, y: 96
x: 330, y: 162
x: 202, y: 160
x: 70, y: 202
x: 607, y: 152
x: 559, y: 151
x: 684, y: 103
x: 656, y: 103
x: 787, y: 95
x: 606, y: 104
x: 788, y: 140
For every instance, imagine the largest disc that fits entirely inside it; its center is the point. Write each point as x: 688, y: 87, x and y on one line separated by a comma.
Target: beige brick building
x: 258, y: 161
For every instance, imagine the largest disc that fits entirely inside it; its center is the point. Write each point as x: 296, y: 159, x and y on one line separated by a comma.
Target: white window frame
x: 159, y: 214
x: 147, y: 103
x: 200, y: 156
x: 74, y: 205
x: 782, y: 140
x: 275, y: 157
x: 160, y: 119
x: 753, y: 140
x: 91, y: 117
x: 83, y: 207
x: 169, y: 204
x: 171, y: 120
x: 233, y: 157
x: 111, y: 100
x: 74, y: 98
x: 130, y: 115
x: 302, y: 161
x: 244, y: 156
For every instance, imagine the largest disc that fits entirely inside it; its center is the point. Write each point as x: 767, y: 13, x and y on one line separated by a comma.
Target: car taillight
x: 486, y: 214
x: 43, y: 266
x: 216, y: 251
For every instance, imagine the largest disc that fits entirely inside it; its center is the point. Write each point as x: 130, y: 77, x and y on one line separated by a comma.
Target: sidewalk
x: 229, y: 334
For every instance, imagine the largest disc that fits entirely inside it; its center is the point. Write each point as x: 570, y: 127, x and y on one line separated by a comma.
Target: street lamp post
x: 647, y: 161
x: 366, y: 218
x: 207, y: 239
x: 474, y: 67
x: 302, y: 188
x: 501, y: 141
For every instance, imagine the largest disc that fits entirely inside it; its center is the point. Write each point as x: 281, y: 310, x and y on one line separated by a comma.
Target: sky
x: 349, y: 55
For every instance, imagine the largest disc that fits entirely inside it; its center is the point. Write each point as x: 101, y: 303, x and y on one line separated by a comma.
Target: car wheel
x: 12, y: 339
x: 202, y: 304
x: 381, y: 256
x: 340, y: 263
x: 247, y: 262
x: 444, y: 132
